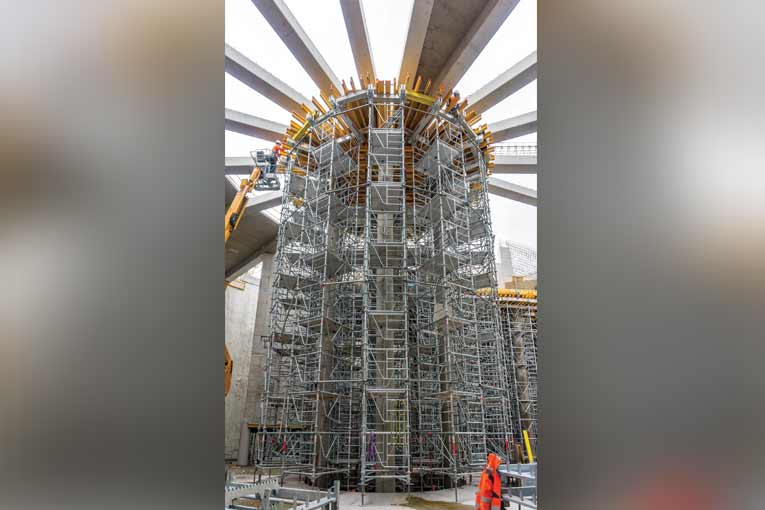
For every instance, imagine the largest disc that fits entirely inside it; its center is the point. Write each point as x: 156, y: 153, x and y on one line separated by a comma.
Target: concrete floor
x: 431, y: 500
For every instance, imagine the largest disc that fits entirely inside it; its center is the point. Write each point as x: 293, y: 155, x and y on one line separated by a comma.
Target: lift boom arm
x: 233, y: 217
x: 235, y: 210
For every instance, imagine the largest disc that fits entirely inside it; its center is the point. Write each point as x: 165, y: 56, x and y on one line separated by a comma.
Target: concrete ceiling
x: 255, y: 235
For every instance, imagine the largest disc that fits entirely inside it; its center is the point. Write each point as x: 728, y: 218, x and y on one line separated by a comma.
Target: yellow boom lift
x: 263, y: 177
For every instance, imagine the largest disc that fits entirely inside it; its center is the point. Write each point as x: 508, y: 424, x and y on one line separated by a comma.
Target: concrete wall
x: 241, y: 309
x: 247, y: 316
x: 504, y: 266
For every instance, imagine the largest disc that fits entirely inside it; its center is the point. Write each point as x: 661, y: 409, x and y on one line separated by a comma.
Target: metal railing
x: 515, y: 149
x: 523, y: 493
x: 268, y: 495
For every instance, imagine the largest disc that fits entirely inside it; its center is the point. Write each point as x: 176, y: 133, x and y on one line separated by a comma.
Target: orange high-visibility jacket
x: 489, y: 495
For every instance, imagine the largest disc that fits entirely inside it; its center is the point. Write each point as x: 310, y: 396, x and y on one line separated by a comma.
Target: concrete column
x: 244, y: 445
x: 385, y: 286
x: 521, y: 372
x: 505, y: 266
x: 256, y: 381
x: 324, y: 390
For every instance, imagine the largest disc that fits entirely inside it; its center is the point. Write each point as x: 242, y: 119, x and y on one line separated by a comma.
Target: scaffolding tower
x: 518, y: 312
x: 385, y: 365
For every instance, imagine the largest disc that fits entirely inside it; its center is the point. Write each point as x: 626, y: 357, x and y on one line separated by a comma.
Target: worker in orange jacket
x: 276, y: 152
x: 277, y: 149
x: 489, y: 495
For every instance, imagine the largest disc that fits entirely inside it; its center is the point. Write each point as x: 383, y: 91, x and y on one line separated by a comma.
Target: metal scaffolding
x: 386, y: 368
x: 518, y: 312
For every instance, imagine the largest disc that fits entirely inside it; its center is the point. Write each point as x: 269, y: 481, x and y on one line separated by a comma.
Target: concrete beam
x: 512, y: 191
x: 297, y: 41
x: 415, y: 38
x: 259, y: 200
x: 251, y: 125
x: 238, y: 165
x: 494, y: 13
x: 260, y: 80
x: 358, y: 36
x: 513, y: 164
x: 263, y: 200
x: 507, y: 83
x: 514, y: 127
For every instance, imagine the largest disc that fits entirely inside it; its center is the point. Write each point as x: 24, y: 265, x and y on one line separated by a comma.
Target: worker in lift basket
x: 275, y: 153
x: 455, y: 109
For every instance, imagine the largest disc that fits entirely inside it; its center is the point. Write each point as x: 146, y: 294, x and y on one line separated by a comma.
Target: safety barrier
x: 519, y: 482
x: 514, y: 149
x: 268, y: 495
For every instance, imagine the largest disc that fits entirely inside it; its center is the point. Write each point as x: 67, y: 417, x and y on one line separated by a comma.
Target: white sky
x: 248, y: 32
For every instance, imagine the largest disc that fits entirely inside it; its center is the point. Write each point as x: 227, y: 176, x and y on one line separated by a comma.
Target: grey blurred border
x: 650, y: 261
x: 111, y: 201
x: 651, y: 234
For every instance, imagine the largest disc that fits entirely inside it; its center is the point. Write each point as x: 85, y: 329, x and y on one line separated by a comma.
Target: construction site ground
x: 349, y: 500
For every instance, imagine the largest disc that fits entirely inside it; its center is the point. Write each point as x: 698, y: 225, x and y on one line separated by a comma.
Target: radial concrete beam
x: 358, y: 36
x: 263, y: 200
x: 251, y: 125
x: 485, y: 25
x: 260, y: 80
x: 514, y: 127
x: 513, y: 164
x: 297, y: 41
x: 415, y: 38
x: 257, y: 200
x: 239, y: 165
x: 519, y: 75
x: 512, y: 191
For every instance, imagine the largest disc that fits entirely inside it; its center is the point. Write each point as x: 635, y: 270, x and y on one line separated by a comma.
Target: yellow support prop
x: 528, y: 446
x: 417, y: 97
x: 301, y: 132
